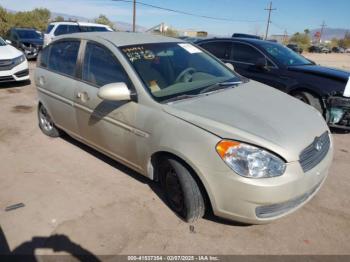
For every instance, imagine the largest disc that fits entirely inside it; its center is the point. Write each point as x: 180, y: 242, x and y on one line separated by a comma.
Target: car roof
x: 24, y: 28
x: 78, y: 23
x: 122, y: 38
x: 238, y: 39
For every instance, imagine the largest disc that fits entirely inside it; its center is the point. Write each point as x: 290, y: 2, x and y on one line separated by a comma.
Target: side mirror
x: 261, y: 63
x: 114, y: 92
x: 230, y: 66
x: 8, y: 42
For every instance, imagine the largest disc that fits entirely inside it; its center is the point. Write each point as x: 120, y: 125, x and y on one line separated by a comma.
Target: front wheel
x: 181, y: 190
x: 310, y: 99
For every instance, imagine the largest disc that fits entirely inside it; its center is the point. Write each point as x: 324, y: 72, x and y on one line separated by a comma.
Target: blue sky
x: 292, y: 15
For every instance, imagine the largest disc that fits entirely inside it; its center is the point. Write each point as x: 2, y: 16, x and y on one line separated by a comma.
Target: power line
x: 270, y: 9
x: 187, y: 13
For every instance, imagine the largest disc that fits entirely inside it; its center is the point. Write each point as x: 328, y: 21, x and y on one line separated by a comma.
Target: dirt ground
x: 341, y: 61
x: 77, y: 200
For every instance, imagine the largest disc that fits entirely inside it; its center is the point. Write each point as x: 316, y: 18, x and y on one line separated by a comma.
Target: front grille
x: 314, y: 153
x: 22, y: 73
x: 281, y: 208
x: 6, y: 65
x: 6, y: 78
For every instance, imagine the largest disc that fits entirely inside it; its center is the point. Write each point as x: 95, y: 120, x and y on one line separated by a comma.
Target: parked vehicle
x: 61, y: 28
x: 246, y: 36
x: 181, y: 117
x: 278, y: 66
x: 347, y: 50
x: 13, y: 64
x: 314, y: 49
x: 28, y: 40
x: 295, y: 48
x: 337, y: 49
x: 325, y: 50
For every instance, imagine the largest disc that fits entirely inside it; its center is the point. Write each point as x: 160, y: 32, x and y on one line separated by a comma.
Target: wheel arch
x: 156, y: 158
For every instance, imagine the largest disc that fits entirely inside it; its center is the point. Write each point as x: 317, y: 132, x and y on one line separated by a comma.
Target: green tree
x: 58, y: 19
x: 103, y: 20
x: 302, y: 39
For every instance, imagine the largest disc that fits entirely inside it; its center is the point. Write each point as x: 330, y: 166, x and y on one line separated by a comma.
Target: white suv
x: 13, y: 63
x: 61, y: 28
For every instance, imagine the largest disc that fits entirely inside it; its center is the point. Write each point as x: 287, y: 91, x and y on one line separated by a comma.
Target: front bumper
x: 258, y: 201
x: 31, y: 52
x: 338, y: 112
x: 18, y: 73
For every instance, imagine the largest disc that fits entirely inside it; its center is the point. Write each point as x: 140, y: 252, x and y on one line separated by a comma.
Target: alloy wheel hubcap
x: 45, y: 120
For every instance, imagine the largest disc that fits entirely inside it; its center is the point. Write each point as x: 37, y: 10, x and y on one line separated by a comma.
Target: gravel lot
x: 77, y: 199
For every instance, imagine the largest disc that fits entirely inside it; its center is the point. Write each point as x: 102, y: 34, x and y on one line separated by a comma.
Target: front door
x: 245, y: 58
x: 106, y: 125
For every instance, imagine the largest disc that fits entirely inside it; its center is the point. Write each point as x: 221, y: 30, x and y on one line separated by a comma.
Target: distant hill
x: 330, y: 33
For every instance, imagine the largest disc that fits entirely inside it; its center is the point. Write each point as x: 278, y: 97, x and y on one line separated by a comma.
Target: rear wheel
x: 181, y: 190
x: 310, y: 99
x: 46, y: 124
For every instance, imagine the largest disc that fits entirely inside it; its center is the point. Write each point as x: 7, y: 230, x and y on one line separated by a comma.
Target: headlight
x: 250, y: 161
x: 19, y: 60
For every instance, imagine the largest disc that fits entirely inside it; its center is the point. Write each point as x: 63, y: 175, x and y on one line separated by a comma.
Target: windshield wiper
x: 219, y: 86
x: 180, y: 97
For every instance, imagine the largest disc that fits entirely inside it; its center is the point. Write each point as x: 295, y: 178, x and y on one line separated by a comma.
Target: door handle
x: 83, y: 96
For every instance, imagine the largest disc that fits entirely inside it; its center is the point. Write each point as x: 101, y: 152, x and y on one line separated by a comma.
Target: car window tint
x: 49, y: 28
x: 72, y: 29
x: 93, y: 29
x: 63, y: 57
x: 100, y: 67
x: 245, y: 53
x: 44, y: 56
x: 220, y: 49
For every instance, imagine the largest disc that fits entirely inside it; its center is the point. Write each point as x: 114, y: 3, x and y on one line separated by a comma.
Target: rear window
x: 63, y: 57
x: 49, y: 28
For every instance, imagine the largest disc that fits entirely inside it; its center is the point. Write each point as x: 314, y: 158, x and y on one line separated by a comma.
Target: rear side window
x: 221, y: 50
x: 63, y: 57
x: 100, y: 67
x: 93, y: 29
x: 66, y: 29
x: 245, y: 53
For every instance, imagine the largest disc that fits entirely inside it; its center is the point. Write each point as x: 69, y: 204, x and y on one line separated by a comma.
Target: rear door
x: 56, y: 82
x: 106, y: 125
x: 220, y: 49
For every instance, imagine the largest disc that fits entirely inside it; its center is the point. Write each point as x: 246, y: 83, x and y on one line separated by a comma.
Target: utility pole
x: 134, y: 17
x: 323, y: 26
x: 270, y: 9
x: 285, y: 36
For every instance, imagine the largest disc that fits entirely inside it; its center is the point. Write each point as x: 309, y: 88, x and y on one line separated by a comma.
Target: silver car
x: 171, y: 111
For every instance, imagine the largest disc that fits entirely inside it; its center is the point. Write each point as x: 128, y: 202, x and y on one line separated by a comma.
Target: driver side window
x: 246, y: 54
x: 100, y: 67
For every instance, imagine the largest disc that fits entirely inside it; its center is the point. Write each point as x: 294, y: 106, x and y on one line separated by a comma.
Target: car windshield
x: 2, y: 42
x: 28, y: 34
x: 170, y: 70
x: 284, y: 55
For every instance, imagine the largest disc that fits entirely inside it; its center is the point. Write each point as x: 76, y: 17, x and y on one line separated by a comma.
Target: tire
x: 310, y: 99
x: 181, y: 190
x: 46, y: 124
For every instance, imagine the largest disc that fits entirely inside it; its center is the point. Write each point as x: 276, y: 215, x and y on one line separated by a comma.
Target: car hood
x: 256, y: 114
x: 32, y: 41
x: 322, y: 71
x: 9, y: 52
